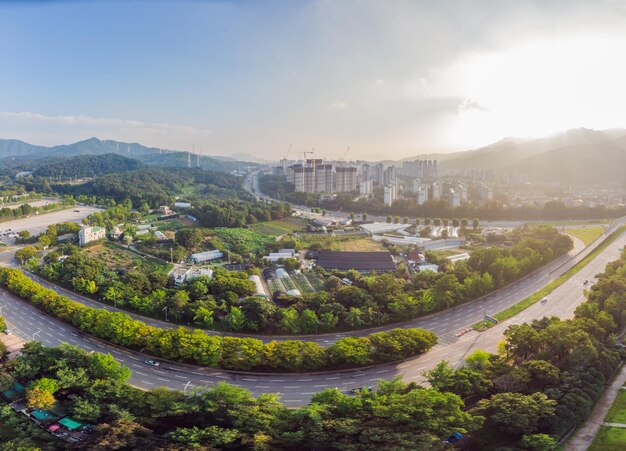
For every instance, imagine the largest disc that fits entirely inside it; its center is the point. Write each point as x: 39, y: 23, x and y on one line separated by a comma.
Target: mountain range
x: 575, y: 156
x: 15, y: 153
x: 579, y: 156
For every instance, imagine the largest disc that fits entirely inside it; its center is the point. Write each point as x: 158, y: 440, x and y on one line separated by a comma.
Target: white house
x: 89, y: 234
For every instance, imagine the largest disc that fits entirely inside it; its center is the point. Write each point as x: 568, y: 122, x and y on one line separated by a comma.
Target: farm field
x: 117, y: 258
x: 279, y: 227
x: 302, y: 283
x: 314, y: 280
x: 243, y: 241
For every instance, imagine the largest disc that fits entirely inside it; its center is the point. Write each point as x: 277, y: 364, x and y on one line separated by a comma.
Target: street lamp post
x: 165, y: 310
x: 186, y: 385
x: 33, y: 337
x: 1, y: 307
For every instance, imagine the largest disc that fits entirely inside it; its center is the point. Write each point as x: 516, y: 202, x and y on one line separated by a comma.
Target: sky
x: 388, y: 79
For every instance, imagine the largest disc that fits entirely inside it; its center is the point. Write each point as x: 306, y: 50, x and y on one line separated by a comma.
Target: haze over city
x: 388, y: 79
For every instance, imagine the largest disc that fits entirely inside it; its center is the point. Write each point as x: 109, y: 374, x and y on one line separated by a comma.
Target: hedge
x: 196, y: 347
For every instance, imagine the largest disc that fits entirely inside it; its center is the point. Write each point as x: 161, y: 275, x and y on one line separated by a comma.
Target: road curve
x: 445, y: 323
x: 296, y: 389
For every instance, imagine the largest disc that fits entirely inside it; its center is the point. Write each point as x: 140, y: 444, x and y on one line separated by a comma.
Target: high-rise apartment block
x: 345, y: 179
x: 316, y: 176
x: 366, y: 188
x: 390, y: 194
x: 454, y: 198
x: 422, y: 194
x: 423, y: 170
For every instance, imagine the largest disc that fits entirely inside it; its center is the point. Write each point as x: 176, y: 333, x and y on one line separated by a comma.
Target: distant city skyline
x: 389, y: 79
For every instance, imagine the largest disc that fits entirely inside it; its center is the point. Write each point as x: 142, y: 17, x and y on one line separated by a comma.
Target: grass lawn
x: 355, y: 243
x: 360, y: 245
x: 586, y: 234
x: 279, y: 227
x: 617, y: 413
x: 609, y: 439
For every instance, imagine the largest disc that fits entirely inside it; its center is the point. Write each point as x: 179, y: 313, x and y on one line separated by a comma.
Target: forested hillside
x: 157, y: 186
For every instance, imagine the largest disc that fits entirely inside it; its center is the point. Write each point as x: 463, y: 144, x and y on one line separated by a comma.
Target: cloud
x: 470, y: 104
x: 339, y: 105
x: 79, y: 120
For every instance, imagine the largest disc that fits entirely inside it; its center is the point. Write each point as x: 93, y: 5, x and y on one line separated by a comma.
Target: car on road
x: 585, y: 282
x: 76, y: 211
x: 7, y: 331
x: 544, y: 300
x: 151, y: 362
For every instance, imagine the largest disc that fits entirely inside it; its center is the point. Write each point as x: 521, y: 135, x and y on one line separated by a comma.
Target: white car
x: 151, y: 362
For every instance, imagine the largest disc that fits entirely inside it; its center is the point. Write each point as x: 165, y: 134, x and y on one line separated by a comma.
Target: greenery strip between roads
x: 535, y: 297
x: 194, y: 346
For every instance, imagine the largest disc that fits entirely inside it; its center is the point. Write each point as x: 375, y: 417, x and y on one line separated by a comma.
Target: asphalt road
x: 445, y: 323
x: 296, y: 389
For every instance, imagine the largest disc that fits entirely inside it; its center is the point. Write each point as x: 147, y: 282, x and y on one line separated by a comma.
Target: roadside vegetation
x: 325, y: 303
x: 543, y: 382
x: 587, y: 234
x: 537, y: 296
x: 194, y: 346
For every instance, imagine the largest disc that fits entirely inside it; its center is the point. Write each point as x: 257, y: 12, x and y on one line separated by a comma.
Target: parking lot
x: 36, y: 224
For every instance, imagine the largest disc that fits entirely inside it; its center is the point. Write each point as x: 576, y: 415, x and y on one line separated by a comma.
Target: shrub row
x: 195, y: 346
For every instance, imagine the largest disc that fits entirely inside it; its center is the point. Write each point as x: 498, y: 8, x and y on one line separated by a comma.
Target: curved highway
x: 296, y: 389
x: 445, y: 323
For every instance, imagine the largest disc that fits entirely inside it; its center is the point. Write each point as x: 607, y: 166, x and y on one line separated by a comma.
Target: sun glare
x: 541, y: 88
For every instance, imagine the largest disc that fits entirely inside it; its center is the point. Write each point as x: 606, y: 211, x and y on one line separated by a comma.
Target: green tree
x: 539, y: 442
x: 236, y: 320
x: 25, y: 254
x: 86, y: 410
x: 349, y: 351
x: 189, y: 238
x: 516, y: 413
x: 308, y: 321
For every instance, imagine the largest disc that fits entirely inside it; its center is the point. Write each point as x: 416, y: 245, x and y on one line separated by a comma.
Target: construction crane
x: 343, y: 158
x: 288, y: 152
x: 306, y: 152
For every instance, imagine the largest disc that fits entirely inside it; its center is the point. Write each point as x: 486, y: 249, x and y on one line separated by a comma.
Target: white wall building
x: 390, y: 194
x: 206, y: 256
x: 454, y: 198
x: 89, y: 234
x: 366, y: 187
x: 422, y: 194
